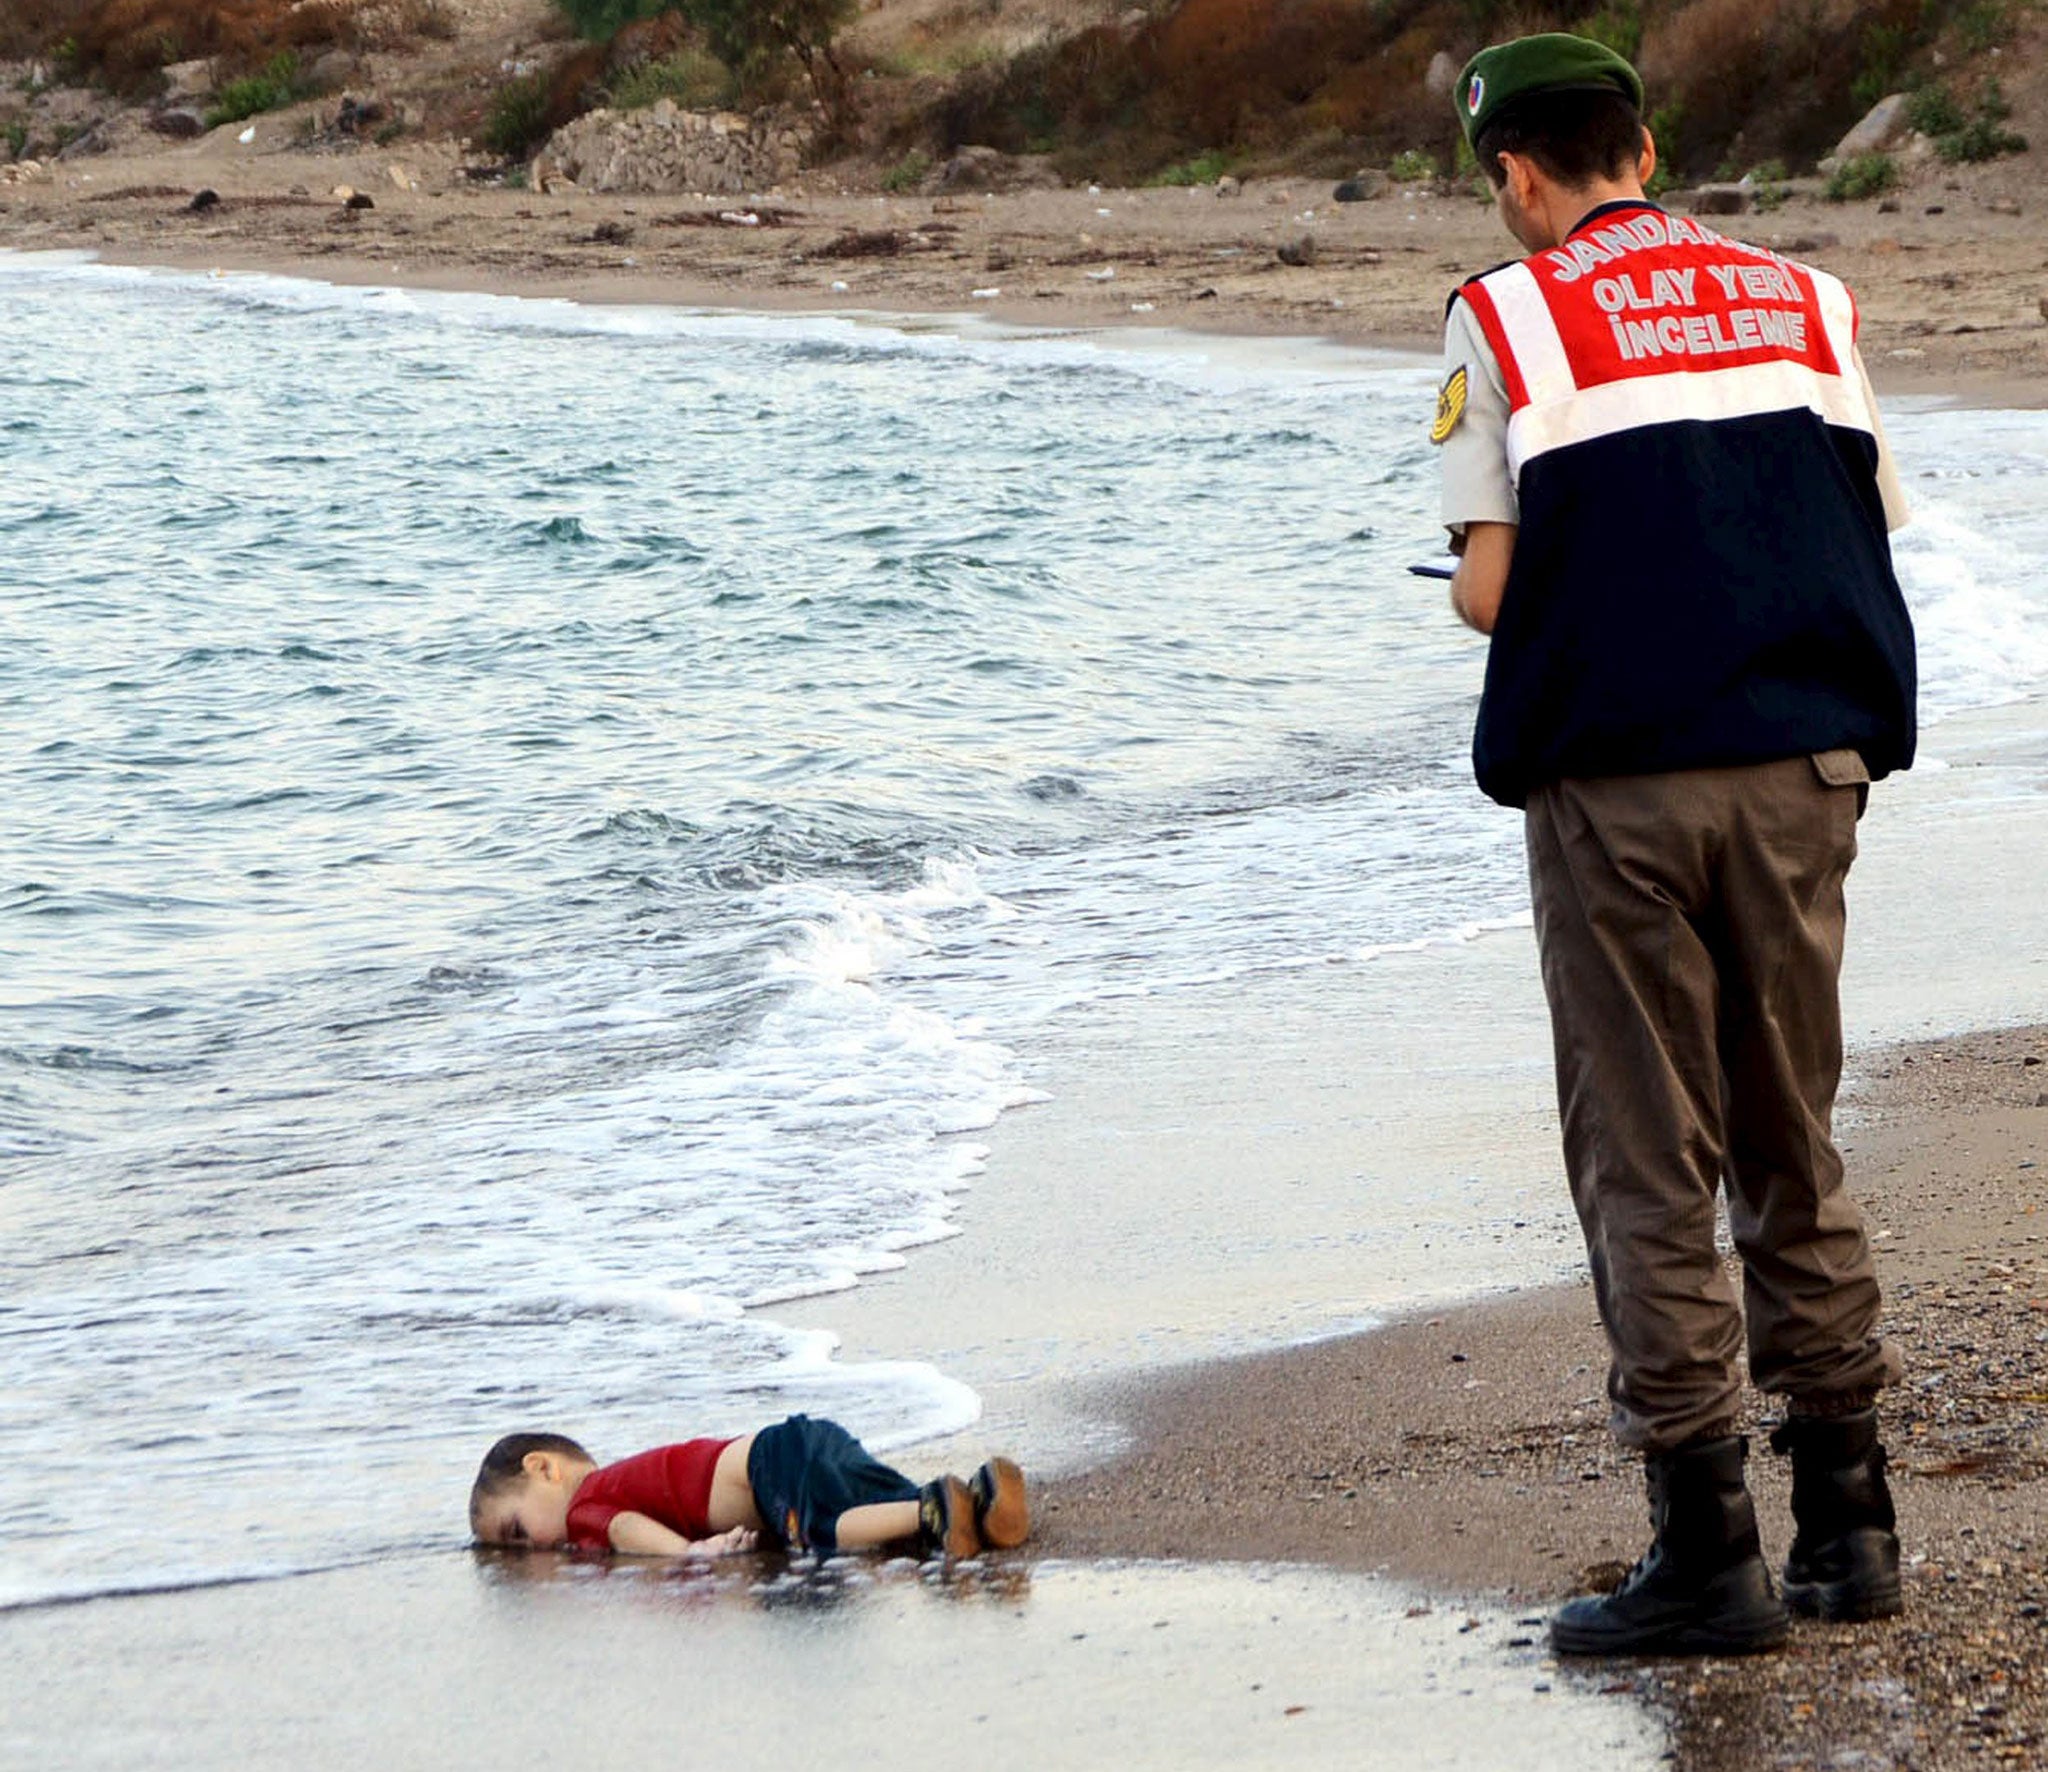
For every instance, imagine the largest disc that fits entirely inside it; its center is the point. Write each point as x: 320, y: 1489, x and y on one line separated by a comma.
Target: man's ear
x: 1646, y: 162
x: 1521, y: 177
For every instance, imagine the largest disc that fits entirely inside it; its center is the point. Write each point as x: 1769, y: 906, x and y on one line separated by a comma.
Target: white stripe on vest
x: 1539, y: 351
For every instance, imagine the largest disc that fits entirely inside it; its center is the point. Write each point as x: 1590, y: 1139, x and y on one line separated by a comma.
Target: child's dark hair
x: 1575, y: 135
x: 502, y: 1468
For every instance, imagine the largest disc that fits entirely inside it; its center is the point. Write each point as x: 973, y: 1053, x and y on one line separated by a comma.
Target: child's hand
x: 737, y: 1542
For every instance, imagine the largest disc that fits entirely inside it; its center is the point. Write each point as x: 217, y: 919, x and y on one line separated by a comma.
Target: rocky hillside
x: 1179, y: 91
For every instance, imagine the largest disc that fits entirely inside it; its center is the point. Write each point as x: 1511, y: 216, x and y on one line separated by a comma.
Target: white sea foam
x: 1303, y: 365
x: 1977, y: 607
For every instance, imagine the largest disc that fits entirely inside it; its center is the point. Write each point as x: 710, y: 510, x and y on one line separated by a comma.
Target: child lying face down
x: 801, y: 1484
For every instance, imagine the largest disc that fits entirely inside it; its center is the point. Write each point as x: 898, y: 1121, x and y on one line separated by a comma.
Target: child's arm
x: 639, y: 1536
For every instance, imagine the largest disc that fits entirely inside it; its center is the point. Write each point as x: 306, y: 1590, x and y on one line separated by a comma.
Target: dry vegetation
x: 1317, y: 85
x: 1179, y: 89
x: 121, y: 44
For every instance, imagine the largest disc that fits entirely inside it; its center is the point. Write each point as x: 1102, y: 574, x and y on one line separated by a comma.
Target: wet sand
x: 1468, y: 1449
x: 453, y: 1663
x: 1213, y: 1174
x: 1350, y: 1542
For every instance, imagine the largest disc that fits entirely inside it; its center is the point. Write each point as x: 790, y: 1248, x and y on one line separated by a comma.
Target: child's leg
x: 876, y: 1524
x: 827, y: 1490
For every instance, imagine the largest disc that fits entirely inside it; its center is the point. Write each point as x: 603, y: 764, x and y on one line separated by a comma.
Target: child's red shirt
x: 671, y: 1484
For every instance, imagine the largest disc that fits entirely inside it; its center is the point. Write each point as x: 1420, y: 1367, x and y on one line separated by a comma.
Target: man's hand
x: 1483, y: 559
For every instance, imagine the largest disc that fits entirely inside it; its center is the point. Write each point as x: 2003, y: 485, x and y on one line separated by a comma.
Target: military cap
x: 1554, y: 61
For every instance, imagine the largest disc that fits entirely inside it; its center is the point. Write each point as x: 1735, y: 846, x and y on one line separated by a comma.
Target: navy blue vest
x: 1702, y: 574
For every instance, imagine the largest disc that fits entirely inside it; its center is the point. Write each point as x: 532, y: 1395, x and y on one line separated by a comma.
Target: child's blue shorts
x: 806, y: 1473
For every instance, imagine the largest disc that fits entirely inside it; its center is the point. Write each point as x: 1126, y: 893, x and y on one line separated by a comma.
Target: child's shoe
x: 1001, y: 1513
x: 945, y: 1519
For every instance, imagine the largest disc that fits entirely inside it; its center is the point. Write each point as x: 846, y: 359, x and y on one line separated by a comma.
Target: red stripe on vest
x: 1480, y: 301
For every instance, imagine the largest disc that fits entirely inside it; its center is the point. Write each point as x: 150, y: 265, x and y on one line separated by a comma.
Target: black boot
x: 1702, y: 1587
x: 1845, y: 1554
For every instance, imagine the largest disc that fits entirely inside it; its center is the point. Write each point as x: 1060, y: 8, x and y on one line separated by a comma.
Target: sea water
x: 537, y: 832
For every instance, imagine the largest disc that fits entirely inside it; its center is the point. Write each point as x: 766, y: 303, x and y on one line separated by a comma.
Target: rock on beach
x: 666, y: 148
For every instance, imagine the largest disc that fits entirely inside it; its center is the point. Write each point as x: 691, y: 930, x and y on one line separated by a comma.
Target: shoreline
x: 1154, y: 1375
x: 1930, y: 387
x: 1948, y: 289
x: 1204, y: 1181
x: 1493, y: 1473
x: 1927, y: 389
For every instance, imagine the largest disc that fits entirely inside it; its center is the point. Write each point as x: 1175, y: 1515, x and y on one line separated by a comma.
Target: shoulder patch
x: 1450, y: 404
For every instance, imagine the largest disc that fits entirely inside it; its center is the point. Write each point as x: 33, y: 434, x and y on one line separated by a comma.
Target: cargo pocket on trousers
x: 1845, y: 768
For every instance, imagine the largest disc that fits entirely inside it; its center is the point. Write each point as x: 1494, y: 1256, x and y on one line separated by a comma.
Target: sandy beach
x: 1949, y: 274
x: 1261, y: 1558
x: 1468, y: 1450
x: 1187, y: 1190
x: 1349, y: 1470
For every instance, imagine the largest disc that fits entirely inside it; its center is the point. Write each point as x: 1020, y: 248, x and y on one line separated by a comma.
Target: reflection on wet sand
x: 768, y: 1581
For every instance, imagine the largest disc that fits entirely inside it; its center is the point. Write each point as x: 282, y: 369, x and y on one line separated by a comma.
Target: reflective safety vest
x: 1702, y: 574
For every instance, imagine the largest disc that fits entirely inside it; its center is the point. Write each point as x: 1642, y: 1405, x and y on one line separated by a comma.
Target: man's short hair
x: 1574, y: 135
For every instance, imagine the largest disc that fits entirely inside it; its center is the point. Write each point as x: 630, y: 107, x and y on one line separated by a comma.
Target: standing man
x: 1665, y: 475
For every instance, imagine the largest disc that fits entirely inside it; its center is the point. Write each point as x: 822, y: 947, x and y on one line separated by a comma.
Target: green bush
x: 754, y: 39
x: 1985, y: 24
x: 1933, y: 111
x: 602, y: 20
x: 1203, y: 169
x: 1619, y: 25
x: 1960, y: 136
x: 752, y: 36
x: 1666, y: 124
x: 929, y: 61
x: 1412, y: 166
x: 17, y: 138
x: 693, y: 79
x: 517, y: 122
x: 1867, y: 175
x: 908, y: 173
x: 278, y: 84
x: 1465, y: 167
x: 1982, y: 138
x: 1885, y: 48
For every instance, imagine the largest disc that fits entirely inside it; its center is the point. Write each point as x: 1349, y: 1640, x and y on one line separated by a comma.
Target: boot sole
x: 958, y: 1539
x: 1846, y: 1602
x: 1736, y: 1613
x: 1683, y: 1639
x: 1006, y: 1522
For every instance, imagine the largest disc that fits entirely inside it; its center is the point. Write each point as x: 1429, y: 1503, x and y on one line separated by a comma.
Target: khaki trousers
x: 1690, y: 926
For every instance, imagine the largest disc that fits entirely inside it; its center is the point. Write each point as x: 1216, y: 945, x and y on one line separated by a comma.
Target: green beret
x: 1555, y: 61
